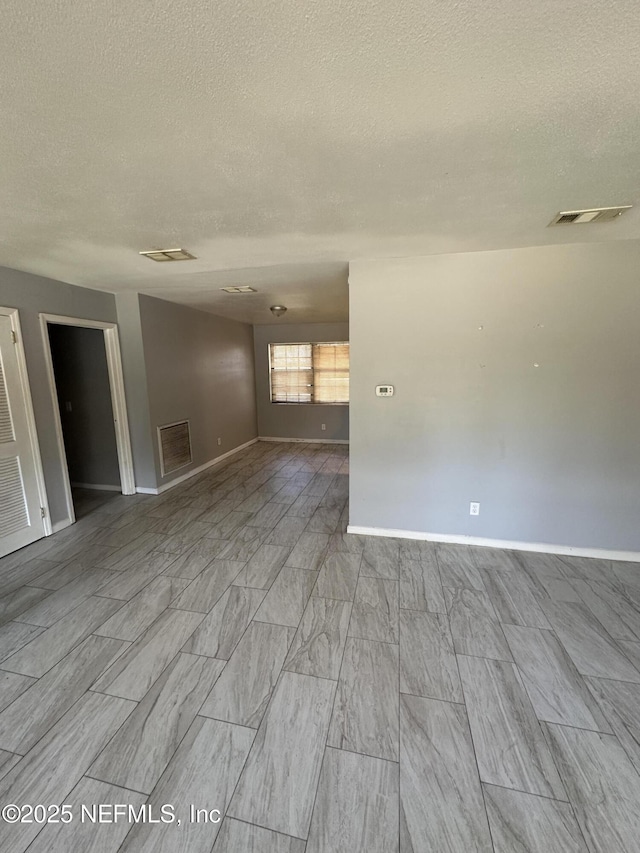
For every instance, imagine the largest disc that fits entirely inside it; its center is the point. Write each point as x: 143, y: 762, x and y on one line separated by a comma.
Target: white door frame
x: 14, y: 318
x: 118, y: 400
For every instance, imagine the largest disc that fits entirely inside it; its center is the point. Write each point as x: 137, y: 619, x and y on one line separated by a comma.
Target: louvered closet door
x: 20, y: 515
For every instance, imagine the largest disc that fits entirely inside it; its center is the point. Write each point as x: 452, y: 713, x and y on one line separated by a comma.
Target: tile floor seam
x: 333, y: 705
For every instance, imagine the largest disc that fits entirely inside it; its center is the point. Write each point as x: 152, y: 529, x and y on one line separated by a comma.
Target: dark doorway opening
x: 86, y: 414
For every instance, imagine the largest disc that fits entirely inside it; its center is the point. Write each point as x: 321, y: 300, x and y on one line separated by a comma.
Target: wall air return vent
x: 594, y: 214
x: 244, y: 288
x: 174, y: 441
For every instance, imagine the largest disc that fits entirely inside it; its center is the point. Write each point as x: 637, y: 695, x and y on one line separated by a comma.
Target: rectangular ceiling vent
x: 242, y: 289
x: 168, y: 255
x: 594, y: 214
x: 175, y: 446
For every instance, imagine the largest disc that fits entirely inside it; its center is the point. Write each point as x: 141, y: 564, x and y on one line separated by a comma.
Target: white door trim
x: 14, y: 319
x: 118, y: 400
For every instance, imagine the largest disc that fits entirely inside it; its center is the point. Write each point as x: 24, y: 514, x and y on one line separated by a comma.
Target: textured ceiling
x: 298, y: 136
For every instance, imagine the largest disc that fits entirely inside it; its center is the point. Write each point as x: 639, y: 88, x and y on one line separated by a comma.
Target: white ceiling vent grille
x: 168, y: 255
x: 175, y: 446
x: 594, y: 214
x: 244, y: 288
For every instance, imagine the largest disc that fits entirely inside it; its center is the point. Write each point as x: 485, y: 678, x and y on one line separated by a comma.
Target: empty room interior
x: 320, y: 427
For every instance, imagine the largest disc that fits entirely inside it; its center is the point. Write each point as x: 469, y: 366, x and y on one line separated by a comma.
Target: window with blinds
x: 309, y: 373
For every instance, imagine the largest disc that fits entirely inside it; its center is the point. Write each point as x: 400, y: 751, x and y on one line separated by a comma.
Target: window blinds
x: 331, y: 373
x: 291, y: 373
x: 309, y: 373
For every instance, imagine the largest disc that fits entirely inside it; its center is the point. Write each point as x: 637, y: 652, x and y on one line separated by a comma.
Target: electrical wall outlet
x: 474, y: 508
x: 323, y: 426
x: 219, y: 442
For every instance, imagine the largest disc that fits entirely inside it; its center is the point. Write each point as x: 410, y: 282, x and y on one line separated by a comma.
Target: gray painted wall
x: 135, y: 386
x: 551, y: 452
x: 199, y: 366
x: 82, y: 383
x: 32, y: 294
x: 301, y: 420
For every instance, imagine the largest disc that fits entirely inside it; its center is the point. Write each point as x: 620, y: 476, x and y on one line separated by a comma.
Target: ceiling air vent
x: 594, y: 214
x: 567, y: 217
x: 175, y: 446
x: 242, y: 289
x: 168, y: 255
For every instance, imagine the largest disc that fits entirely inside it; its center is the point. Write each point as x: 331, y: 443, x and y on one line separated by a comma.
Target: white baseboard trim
x: 101, y: 488
x: 141, y: 490
x: 60, y: 525
x: 541, y: 547
x: 304, y: 440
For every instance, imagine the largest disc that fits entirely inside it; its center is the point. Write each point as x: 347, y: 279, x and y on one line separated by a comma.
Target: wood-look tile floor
x: 228, y: 645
